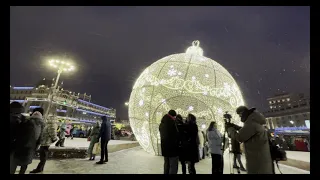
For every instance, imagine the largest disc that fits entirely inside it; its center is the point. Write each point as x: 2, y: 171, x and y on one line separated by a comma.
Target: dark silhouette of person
x: 105, y: 137
x: 169, y: 135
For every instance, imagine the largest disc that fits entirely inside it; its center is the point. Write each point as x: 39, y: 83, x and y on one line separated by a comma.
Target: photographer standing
x: 255, y: 139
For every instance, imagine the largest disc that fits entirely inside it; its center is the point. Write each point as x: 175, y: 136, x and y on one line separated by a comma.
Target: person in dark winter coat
x: 16, y: 117
x: 49, y: 136
x: 215, y: 145
x: 255, y: 139
x: 182, y: 143
x: 235, y: 149
x: 169, y: 142
x: 71, y: 132
x: 94, y: 138
x: 192, y: 146
x: 105, y: 136
x: 27, y: 141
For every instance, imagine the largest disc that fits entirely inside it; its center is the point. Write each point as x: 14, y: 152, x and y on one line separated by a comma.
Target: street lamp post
x: 61, y: 66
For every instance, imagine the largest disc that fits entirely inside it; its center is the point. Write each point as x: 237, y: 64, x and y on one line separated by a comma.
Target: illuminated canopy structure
x: 188, y: 83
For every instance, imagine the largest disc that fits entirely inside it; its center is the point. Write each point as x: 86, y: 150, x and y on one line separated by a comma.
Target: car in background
x: 79, y: 133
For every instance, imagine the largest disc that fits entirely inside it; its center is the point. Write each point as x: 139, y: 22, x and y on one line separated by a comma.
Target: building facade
x: 70, y: 106
x: 288, y: 110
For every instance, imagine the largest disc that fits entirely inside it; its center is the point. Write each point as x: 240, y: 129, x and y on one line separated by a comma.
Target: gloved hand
x: 228, y: 125
x: 237, y: 127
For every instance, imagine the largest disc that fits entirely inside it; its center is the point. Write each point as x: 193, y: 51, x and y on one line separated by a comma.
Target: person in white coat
x: 201, y: 143
x: 215, y: 146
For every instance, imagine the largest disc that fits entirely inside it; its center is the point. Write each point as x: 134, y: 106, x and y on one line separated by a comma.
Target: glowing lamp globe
x: 188, y: 83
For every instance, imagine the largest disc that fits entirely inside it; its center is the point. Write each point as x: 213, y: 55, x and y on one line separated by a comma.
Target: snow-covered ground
x: 299, y: 155
x: 83, y: 143
x: 126, y: 162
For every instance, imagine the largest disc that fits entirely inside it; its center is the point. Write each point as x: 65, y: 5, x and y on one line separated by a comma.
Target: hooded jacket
x: 169, y: 134
x: 16, y: 118
x: 256, y: 144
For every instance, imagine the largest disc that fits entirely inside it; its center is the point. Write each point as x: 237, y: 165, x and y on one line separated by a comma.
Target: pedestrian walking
x: 105, y: 137
x: 94, y: 138
x: 169, y: 142
x: 61, y: 135
x: 71, y: 131
x: 49, y: 136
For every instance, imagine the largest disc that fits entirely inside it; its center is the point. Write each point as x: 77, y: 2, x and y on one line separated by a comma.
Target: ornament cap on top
x: 195, y: 49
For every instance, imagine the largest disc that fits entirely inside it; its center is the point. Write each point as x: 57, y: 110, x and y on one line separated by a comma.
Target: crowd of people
x: 30, y: 133
x: 181, y: 140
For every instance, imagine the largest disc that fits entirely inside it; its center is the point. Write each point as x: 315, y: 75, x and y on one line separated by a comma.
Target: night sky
x: 266, y: 49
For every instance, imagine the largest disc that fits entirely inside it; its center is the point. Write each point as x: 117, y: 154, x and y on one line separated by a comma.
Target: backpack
x: 277, y: 153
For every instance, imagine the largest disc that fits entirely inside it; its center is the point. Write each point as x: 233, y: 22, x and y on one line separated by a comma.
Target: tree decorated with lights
x: 188, y: 83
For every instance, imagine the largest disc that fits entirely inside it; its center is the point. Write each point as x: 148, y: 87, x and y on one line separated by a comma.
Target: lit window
x: 278, y: 101
x: 283, y: 100
x: 288, y: 99
x: 270, y: 102
x: 271, y: 107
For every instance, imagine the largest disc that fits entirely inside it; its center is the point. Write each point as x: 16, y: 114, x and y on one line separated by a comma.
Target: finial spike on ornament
x: 195, y: 48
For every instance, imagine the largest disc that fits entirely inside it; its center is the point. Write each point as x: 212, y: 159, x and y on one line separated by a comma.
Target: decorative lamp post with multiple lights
x: 62, y: 66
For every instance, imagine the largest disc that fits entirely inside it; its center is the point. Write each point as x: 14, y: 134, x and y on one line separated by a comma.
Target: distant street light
x: 291, y: 122
x: 61, y: 66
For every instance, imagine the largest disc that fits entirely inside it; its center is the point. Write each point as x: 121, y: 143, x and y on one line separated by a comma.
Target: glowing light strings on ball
x: 186, y: 82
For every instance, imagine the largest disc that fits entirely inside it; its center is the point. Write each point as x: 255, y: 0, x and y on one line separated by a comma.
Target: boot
x: 62, y: 142
x: 35, y: 171
x: 242, y: 169
x: 100, y: 162
x: 58, y: 143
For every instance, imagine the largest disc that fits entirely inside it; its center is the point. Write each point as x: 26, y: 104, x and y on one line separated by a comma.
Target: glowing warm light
x: 188, y: 83
x: 63, y: 66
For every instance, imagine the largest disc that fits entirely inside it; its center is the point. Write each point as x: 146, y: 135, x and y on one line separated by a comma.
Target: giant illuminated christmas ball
x: 188, y: 83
